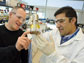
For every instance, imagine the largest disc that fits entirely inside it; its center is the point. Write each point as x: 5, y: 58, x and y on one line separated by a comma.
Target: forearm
x: 47, y: 49
x: 34, y: 49
x: 24, y: 56
x: 56, y: 57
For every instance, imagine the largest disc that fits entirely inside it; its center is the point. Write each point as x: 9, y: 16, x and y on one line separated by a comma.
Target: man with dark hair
x: 13, y: 41
x: 69, y: 12
x: 65, y: 44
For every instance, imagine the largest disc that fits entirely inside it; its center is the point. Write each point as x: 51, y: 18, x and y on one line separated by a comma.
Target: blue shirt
x: 66, y: 38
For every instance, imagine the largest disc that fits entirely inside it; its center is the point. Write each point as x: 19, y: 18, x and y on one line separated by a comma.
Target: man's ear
x: 73, y: 20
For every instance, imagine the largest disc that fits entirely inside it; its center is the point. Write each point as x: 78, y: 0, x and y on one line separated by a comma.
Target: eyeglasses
x: 62, y: 20
x: 19, y: 17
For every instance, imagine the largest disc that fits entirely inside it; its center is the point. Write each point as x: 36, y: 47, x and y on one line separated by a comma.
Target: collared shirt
x: 70, y: 52
x: 68, y: 37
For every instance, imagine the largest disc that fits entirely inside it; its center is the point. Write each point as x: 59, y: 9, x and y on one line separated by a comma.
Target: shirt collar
x: 68, y: 37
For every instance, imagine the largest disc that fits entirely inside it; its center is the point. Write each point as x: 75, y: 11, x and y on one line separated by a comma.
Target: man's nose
x: 58, y: 25
x: 21, y: 20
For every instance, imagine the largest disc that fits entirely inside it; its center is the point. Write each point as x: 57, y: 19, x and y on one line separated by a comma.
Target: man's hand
x: 23, y: 42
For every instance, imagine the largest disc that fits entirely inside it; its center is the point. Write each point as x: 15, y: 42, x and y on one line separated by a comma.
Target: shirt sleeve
x: 24, y: 56
x: 7, y: 53
x: 76, y: 57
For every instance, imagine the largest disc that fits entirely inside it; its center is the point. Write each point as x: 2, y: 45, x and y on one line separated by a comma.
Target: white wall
x: 81, y: 18
x: 51, y: 10
x: 52, y: 5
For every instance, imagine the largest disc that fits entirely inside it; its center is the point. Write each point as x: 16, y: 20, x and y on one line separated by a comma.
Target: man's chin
x: 61, y: 34
x: 17, y: 28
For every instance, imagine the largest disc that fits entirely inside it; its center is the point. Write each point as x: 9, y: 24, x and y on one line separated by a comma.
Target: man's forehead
x: 60, y: 18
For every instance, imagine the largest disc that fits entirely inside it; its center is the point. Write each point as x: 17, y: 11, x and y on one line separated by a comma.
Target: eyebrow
x: 60, y: 19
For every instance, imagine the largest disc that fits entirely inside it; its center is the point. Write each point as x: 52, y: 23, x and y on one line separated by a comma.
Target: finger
x: 27, y: 44
x: 25, y: 41
x: 24, y: 44
x: 25, y: 33
x: 41, y: 38
x: 24, y: 38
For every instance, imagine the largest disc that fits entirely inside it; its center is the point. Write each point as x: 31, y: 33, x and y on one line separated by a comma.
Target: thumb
x: 25, y: 33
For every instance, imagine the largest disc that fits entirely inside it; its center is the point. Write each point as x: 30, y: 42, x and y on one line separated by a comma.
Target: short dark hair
x: 69, y: 12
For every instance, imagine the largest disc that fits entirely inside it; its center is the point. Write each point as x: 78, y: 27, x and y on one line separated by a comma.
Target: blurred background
x: 44, y: 8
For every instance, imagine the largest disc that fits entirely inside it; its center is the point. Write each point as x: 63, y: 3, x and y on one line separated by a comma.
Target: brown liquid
x: 34, y: 32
